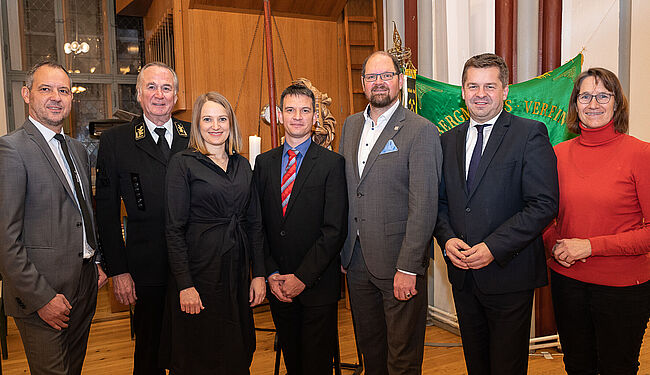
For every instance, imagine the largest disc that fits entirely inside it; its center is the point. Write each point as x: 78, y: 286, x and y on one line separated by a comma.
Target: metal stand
x: 356, y: 367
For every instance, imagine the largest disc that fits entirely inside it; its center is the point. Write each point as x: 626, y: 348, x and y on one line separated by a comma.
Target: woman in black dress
x: 214, y: 238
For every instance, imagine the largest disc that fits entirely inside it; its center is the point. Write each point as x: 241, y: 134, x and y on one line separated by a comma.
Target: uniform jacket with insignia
x: 131, y: 167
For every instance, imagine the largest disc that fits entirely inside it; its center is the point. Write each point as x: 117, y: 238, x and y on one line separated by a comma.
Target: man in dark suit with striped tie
x: 304, y: 209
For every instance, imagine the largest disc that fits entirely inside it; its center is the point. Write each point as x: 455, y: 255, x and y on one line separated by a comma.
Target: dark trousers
x: 601, y: 327
x: 307, y: 335
x: 495, y: 329
x: 390, y: 332
x: 147, y: 324
x: 52, y: 352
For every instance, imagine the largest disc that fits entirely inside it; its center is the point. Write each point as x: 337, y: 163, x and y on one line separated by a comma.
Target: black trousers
x: 52, y: 352
x: 601, y: 327
x: 147, y: 324
x: 390, y: 332
x: 495, y: 329
x: 307, y: 335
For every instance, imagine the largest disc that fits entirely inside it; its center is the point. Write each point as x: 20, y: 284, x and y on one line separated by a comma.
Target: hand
x: 275, y: 285
x: 55, y: 313
x: 404, y: 286
x: 124, y: 289
x: 190, y: 301
x: 454, y: 247
x: 257, y: 291
x: 478, y: 256
x: 102, y: 279
x: 344, y: 271
x: 569, y: 250
x: 291, y: 285
x: 564, y: 264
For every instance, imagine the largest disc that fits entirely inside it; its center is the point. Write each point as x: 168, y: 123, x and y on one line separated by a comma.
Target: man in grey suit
x: 48, y: 242
x: 393, y: 165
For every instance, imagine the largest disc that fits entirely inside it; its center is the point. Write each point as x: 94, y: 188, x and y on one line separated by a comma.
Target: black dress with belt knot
x: 214, y: 236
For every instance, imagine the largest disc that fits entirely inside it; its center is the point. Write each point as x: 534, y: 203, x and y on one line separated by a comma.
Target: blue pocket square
x: 390, y: 147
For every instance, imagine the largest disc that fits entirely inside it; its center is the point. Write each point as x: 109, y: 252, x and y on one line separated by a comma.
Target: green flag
x: 544, y: 98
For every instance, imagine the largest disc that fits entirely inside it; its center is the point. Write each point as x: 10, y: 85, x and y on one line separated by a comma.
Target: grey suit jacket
x: 393, y: 205
x: 41, y: 231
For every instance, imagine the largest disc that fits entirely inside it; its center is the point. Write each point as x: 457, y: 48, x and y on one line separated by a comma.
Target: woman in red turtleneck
x: 600, y: 242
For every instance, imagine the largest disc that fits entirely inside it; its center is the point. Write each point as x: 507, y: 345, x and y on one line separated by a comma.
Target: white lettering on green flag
x: 544, y: 98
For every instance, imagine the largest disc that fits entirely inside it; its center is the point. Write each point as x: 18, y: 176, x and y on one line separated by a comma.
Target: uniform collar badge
x: 140, y: 131
x: 180, y: 129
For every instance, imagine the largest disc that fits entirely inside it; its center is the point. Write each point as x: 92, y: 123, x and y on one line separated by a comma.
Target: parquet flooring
x: 110, y: 348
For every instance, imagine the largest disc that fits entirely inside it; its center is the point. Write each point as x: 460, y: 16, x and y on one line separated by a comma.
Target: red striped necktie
x: 288, y: 179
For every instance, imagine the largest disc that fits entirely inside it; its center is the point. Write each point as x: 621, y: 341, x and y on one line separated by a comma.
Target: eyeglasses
x: 601, y: 98
x: 385, y: 76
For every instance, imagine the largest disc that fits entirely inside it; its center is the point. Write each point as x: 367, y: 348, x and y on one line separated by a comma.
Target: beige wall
x: 639, y: 72
x: 594, y: 26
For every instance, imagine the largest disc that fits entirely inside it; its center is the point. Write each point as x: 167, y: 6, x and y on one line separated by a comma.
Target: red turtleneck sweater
x: 604, y: 197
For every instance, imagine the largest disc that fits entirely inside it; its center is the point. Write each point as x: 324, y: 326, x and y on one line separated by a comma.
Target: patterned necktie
x: 476, y: 156
x: 162, y: 142
x: 77, y: 187
x: 288, y: 179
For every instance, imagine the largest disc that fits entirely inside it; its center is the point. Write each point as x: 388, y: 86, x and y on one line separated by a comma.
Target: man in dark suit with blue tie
x: 304, y: 209
x: 499, y: 190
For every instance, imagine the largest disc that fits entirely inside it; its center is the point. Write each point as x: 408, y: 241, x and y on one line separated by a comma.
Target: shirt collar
x: 301, y: 148
x: 151, y: 126
x: 491, y: 121
x: 47, y: 133
x: 384, y: 116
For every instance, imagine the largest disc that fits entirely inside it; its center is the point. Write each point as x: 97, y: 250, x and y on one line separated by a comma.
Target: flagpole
x: 271, y: 72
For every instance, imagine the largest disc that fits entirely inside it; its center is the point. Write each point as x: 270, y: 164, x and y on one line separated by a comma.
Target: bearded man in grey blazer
x: 393, y: 167
x: 48, y: 242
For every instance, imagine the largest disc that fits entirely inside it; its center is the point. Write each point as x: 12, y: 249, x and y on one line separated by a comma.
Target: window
x: 102, y: 59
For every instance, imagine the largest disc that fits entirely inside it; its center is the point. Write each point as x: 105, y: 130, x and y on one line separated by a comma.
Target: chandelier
x: 76, y: 47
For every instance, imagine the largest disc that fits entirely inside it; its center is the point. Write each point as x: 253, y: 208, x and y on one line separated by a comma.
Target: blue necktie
x: 476, y: 156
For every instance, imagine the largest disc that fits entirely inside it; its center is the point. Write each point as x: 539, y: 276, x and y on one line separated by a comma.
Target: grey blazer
x: 393, y: 205
x: 41, y: 232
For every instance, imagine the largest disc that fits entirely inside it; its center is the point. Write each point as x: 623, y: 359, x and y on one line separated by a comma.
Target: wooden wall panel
x: 314, y: 9
x: 219, y: 45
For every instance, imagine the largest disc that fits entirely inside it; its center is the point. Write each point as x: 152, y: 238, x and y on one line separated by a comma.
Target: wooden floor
x: 110, y: 348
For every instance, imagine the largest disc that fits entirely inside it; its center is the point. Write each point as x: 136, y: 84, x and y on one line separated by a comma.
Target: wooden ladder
x: 361, y: 39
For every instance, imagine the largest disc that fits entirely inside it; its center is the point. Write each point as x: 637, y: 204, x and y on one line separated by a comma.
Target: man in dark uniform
x: 131, y: 164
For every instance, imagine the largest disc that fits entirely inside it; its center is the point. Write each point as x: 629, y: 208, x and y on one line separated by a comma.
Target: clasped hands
x: 569, y: 250
x: 285, y: 287
x: 468, y: 257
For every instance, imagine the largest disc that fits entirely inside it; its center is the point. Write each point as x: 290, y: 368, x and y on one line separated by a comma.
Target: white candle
x: 254, y: 147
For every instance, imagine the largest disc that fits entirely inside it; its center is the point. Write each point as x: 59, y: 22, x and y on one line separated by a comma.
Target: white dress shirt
x: 371, y: 132
x: 472, y: 136
x: 169, y: 135
x: 55, y: 146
